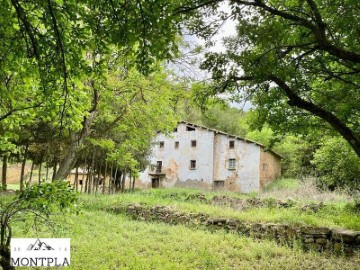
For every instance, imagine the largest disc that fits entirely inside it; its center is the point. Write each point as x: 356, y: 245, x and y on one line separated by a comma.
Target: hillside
x: 104, y: 237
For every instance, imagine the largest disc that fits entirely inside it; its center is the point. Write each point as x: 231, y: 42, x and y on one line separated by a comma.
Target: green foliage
x: 55, y: 55
x: 40, y: 203
x: 337, y: 165
x: 132, y: 109
x: 295, y: 61
x: 298, y: 152
x: 47, y: 198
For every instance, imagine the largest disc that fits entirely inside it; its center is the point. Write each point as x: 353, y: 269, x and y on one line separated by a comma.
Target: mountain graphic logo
x: 38, y: 245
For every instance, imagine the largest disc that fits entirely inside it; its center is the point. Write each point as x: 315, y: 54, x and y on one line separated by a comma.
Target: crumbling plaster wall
x: 245, y: 176
x: 176, y: 161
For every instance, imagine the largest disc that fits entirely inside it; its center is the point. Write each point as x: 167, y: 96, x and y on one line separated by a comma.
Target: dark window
x: 219, y: 184
x: 190, y: 128
x: 175, y: 129
x: 193, y: 143
x: 232, y: 164
x: 192, y: 164
x: 158, y: 166
x: 80, y: 182
x: 155, y: 182
x: 231, y: 144
x: 176, y: 144
x: 161, y: 144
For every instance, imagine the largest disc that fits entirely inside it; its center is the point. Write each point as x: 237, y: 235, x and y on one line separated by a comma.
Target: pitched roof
x: 230, y: 135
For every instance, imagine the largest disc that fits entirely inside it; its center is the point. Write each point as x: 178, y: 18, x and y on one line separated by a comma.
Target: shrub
x: 337, y: 165
x: 39, y: 202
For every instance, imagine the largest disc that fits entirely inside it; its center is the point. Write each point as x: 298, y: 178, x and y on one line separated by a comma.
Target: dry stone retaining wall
x: 336, y: 241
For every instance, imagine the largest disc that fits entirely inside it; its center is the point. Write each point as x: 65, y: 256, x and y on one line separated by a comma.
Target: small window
x: 175, y: 129
x: 190, y: 128
x: 161, y: 144
x: 232, y: 164
x: 193, y: 143
x: 192, y: 164
x: 158, y: 166
x: 265, y: 167
x: 231, y: 144
x: 176, y: 144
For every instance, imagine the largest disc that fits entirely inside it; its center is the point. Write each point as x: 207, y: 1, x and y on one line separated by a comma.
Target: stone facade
x: 270, y: 167
x: 196, y: 156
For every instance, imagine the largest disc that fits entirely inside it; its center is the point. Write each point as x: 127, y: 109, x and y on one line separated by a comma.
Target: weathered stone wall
x: 270, y: 167
x: 309, y: 238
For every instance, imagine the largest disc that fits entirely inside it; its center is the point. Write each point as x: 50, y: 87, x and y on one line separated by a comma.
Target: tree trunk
x: 47, y: 171
x: 130, y: 181
x: 103, y: 183
x: 5, y: 258
x: 39, y: 178
x: 22, y: 173
x: 91, y: 175
x: 133, y: 184
x: 111, y: 177
x: 31, y: 171
x: 77, y: 179
x: 83, y: 179
x: 98, y: 178
x: 4, y: 172
x: 76, y: 142
x: 115, y: 181
x: 123, y: 182
x: 68, y: 162
x: 54, y: 172
x: 87, y: 179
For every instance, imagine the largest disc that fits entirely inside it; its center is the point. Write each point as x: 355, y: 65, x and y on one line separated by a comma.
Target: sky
x: 227, y: 30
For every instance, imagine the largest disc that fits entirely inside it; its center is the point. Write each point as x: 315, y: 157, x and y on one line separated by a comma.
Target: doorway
x: 155, y: 182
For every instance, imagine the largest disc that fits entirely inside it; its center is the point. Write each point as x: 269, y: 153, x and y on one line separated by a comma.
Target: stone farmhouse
x: 196, y: 156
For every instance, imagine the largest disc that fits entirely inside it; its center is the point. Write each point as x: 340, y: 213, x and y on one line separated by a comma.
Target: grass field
x: 101, y: 239
x: 332, y: 214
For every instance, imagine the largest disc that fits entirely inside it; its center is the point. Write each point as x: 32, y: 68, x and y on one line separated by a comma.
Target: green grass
x: 283, y: 183
x: 13, y: 186
x: 337, y: 215
x: 101, y: 240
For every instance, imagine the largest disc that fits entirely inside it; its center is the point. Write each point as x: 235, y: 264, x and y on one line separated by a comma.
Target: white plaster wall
x: 247, y: 155
x: 176, y: 162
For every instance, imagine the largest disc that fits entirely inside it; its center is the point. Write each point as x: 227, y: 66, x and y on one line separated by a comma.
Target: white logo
x: 40, y: 252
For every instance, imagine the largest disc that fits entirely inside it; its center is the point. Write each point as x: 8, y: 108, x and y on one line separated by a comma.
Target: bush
x: 39, y: 202
x: 337, y: 165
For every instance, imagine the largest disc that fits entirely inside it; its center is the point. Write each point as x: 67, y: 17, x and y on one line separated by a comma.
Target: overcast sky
x: 192, y: 70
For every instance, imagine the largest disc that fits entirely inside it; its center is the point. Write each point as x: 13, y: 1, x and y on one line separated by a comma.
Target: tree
x: 132, y: 107
x: 298, y: 60
x: 55, y: 55
x: 39, y: 202
x: 336, y: 165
